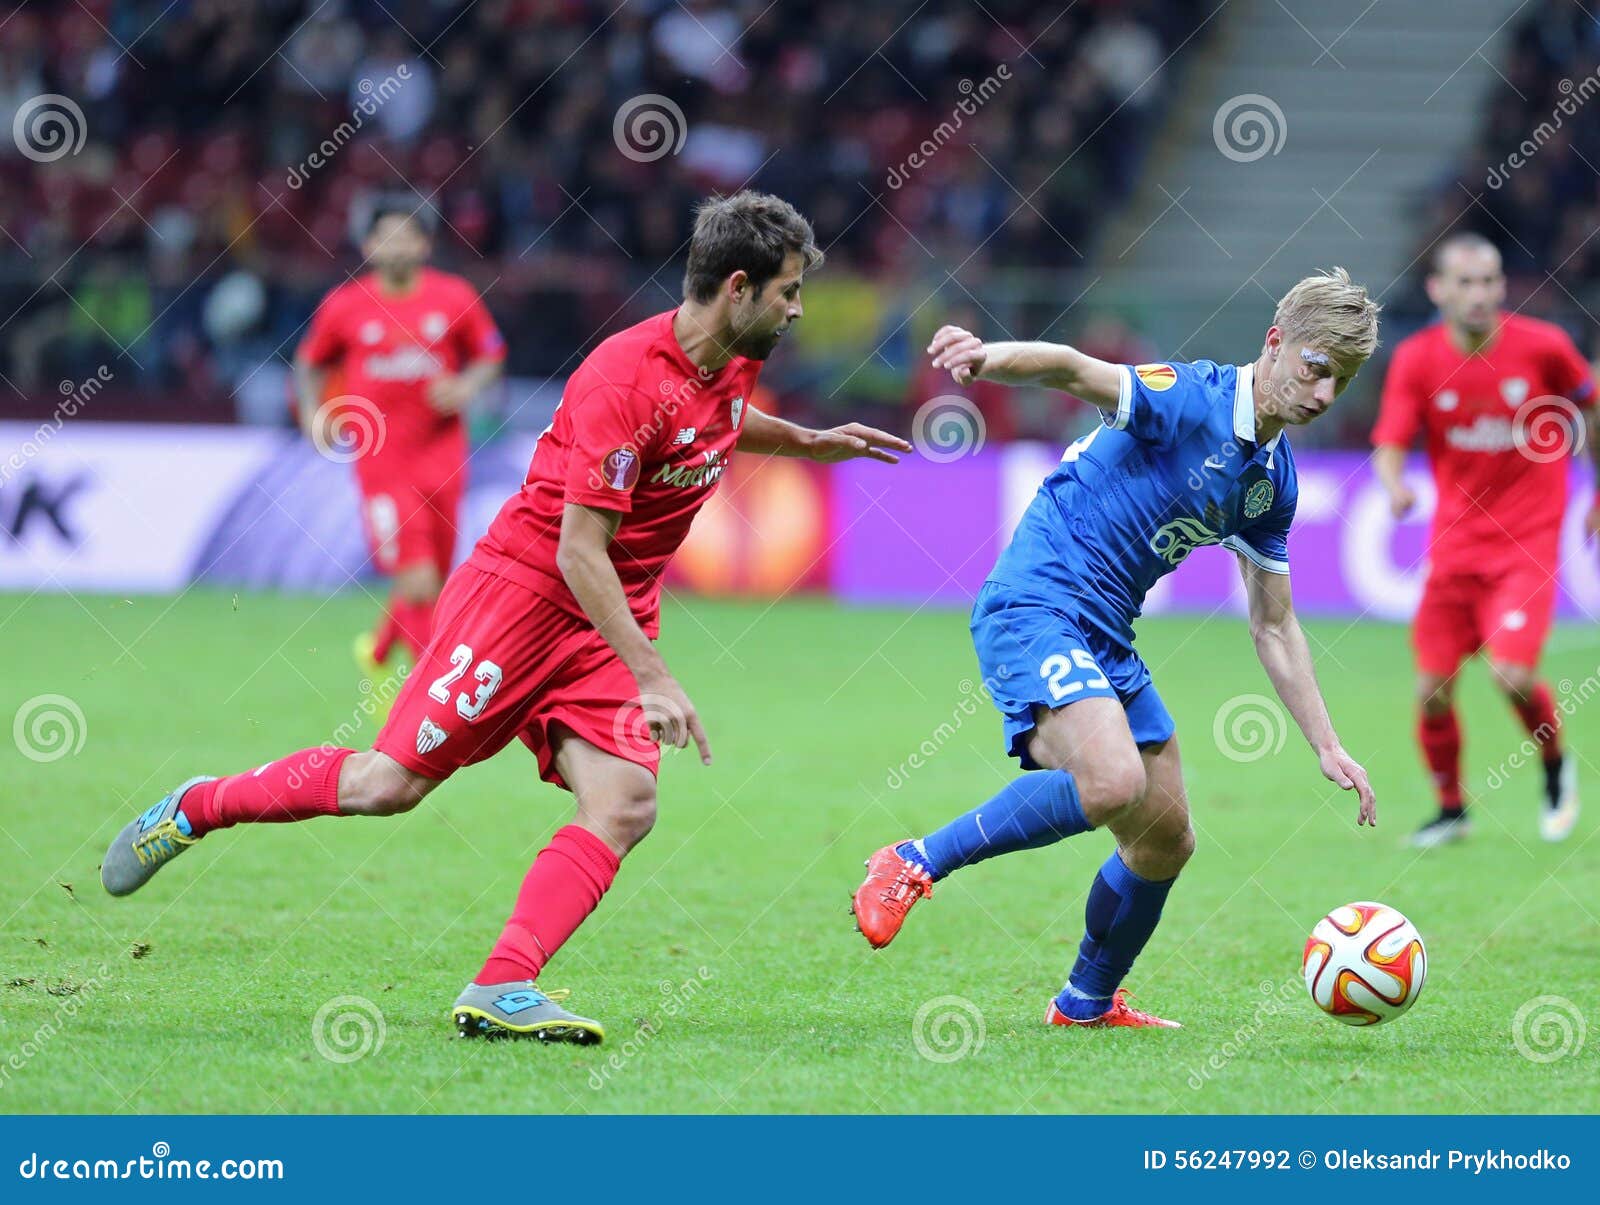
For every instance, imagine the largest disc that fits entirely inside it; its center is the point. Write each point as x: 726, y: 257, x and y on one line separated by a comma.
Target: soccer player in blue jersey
x: 1188, y: 455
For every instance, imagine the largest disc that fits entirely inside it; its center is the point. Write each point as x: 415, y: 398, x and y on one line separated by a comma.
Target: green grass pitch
x: 723, y: 962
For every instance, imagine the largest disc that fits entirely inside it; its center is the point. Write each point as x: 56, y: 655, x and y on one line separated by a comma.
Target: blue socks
x: 1118, y: 919
x: 1035, y: 810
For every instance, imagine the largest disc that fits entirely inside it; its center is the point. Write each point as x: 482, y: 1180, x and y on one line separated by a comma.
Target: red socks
x: 383, y: 642
x: 1538, y: 716
x: 414, y: 620
x: 563, y: 886
x: 298, y: 787
x: 411, y: 622
x: 1440, y: 738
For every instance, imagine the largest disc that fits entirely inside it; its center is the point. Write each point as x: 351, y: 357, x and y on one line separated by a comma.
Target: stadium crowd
x: 206, y: 211
x: 1531, y: 182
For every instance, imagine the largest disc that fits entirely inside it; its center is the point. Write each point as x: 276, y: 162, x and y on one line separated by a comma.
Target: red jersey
x: 389, y: 348
x: 1502, y: 490
x: 640, y: 430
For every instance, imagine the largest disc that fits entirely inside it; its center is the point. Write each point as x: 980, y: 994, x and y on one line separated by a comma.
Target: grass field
x: 723, y: 962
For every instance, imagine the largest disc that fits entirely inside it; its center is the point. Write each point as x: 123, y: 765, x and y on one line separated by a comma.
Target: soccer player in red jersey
x: 1496, y: 397
x: 546, y: 633
x: 410, y: 348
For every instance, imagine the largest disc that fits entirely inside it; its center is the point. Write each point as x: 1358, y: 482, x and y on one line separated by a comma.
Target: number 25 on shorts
x: 1066, y: 674
x: 487, y: 676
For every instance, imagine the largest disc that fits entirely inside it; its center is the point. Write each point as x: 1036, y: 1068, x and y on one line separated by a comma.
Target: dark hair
x: 749, y: 231
x: 1463, y: 240
x: 399, y: 205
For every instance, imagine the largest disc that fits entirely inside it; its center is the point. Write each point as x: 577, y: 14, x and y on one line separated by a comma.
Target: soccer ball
x: 1364, y: 964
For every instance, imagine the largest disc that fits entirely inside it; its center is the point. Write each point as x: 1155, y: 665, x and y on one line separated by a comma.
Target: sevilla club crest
x: 737, y: 410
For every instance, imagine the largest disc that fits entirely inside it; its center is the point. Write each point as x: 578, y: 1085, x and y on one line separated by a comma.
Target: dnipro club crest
x: 1257, y: 499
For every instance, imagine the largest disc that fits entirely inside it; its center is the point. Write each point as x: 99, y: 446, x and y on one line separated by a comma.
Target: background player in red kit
x: 545, y: 633
x: 1495, y: 396
x: 408, y: 348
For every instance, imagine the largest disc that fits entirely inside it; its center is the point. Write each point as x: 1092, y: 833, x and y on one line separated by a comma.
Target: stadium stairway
x: 1373, y: 102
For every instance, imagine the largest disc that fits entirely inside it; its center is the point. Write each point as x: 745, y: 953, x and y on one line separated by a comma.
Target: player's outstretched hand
x: 448, y: 393
x: 1339, y: 768
x: 672, y: 718
x: 1401, y: 500
x: 854, y: 440
x: 959, y: 351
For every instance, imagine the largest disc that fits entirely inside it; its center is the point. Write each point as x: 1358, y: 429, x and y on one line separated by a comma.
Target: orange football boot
x: 1121, y: 1013
x: 882, y: 901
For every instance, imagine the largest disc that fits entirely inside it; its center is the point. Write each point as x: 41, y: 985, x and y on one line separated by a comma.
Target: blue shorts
x: 1033, y: 652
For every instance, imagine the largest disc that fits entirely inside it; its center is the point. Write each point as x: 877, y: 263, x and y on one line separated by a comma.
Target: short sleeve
x: 1266, y: 541
x: 1157, y: 402
x: 607, y: 457
x: 325, y: 341
x: 1404, y: 396
x: 1570, y: 373
x: 476, y: 334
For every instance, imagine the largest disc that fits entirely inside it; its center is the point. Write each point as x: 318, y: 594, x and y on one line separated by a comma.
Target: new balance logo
x: 685, y: 435
x: 429, y: 737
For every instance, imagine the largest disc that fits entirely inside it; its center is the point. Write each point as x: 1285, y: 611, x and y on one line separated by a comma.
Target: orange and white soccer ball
x: 1364, y: 964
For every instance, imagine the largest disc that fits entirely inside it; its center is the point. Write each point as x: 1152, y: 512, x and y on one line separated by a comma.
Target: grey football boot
x: 147, y: 843
x: 520, y: 1010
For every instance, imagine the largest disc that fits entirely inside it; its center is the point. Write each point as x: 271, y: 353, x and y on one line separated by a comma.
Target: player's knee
x: 1179, y: 848
x: 629, y: 817
x: 1515, y: 681
x: 1435, y: 695
x: 371, y: 784
x: 1109, y: 791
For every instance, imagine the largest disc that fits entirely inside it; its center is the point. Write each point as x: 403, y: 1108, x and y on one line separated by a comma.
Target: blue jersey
x: 1176, y: 467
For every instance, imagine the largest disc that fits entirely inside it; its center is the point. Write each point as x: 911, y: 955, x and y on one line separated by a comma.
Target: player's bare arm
x: 450, y: 393
x: 767, y: 435
x: 1053, y: 365
x: 585, y: 564
x: 1389, y: 462
x: 309, y: 382
x: 1285, y: 655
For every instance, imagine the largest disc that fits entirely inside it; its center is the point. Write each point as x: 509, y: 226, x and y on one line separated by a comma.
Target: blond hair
x: 1330, y: 313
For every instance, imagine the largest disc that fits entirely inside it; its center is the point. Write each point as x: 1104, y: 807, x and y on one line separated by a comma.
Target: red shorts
x: 1509, y: 614
x: 410, y: 524
x: 506, y: 662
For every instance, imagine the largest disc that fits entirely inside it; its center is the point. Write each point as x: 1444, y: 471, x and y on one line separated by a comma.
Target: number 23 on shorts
x: 1067, y: 674
x: 487, y: 675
